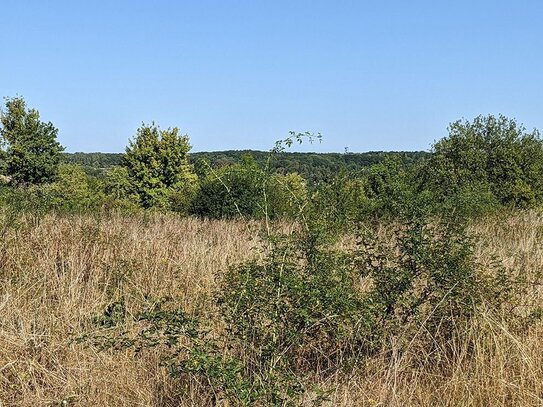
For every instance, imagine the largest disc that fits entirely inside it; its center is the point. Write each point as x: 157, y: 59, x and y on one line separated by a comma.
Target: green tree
x: 494, y: 154
x: 32, y: 152
x: 117, y: 184
x: 158, y: 166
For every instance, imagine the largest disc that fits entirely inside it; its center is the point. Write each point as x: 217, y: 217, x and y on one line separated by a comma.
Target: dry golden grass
x: 56, y: 275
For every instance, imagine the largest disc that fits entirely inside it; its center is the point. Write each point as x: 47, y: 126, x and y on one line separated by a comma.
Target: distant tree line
x: 94, y: 160
x: 481, y: 165
x: 314, y: 167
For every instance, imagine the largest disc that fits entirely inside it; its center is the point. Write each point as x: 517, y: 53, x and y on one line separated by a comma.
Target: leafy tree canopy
x: 32, y: 152
x: 157, y: 164
x: 493, y: 153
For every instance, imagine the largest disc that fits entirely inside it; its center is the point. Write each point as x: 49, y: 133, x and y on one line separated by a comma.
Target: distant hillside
x: 313, y: 166
x: 95, y: 160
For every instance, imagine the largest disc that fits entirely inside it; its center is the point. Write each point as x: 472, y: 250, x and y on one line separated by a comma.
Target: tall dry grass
x: 57, y: 274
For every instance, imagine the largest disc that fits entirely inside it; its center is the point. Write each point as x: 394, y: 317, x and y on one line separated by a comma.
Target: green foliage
x: 481, y: 166
x: 296, y: 311
x: 31, y: 200
x: 388, y: 187
x: 74, y: 190
x: 469, y: 201
x: 247, y: 189
x: 93, y: 160
x: 286, y: 195
x: 426, y: 281
x: 3, y: 164
x: 157, y: 164
x: 114, y: 314
x: 119, y: 191
x: 232, y: 191
x: 315, y: 168
x: 117, y: 184
x: 188, y: 351
x: 383, y: 191
x: 32, y: 151
x: 494, y: 154
x: 336, y: 205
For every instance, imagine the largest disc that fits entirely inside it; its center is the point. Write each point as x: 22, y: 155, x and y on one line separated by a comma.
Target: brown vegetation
x: 59, y: 273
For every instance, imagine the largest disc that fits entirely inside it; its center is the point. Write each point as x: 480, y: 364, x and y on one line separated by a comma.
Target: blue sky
x: 369, y: 75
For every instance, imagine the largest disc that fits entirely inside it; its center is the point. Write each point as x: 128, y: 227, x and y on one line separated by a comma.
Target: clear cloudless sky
x: 235, y: 74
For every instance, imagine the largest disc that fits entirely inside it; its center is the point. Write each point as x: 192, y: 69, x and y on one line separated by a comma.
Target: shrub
x: 298, y: 308
x: 427, y: 282
x: 232, y: 191
x: 286, y: 195
x: 334, y: 206
x: 32, y: 201
x: 470, y: 201
x: 74, y: 190
x: 388, y: 187
x: 384, y: 191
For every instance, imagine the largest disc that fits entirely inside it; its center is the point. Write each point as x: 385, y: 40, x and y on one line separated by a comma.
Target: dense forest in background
x: 314, y: 167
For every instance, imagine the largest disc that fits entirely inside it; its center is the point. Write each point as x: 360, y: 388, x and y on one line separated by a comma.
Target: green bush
x: 336, y: 205
x: 426, y: 279
x: 388, y: 187
x: 31, y: 200
x: 74, y: 190
x: 383, y: 192
x: 286, y: 195
x: 469, y: 201
x: 298, y: 309
x: 232, y: 191
x: 119, y: 191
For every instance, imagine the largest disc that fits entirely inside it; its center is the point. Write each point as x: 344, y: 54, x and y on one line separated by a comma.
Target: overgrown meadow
x: 168, y: 281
